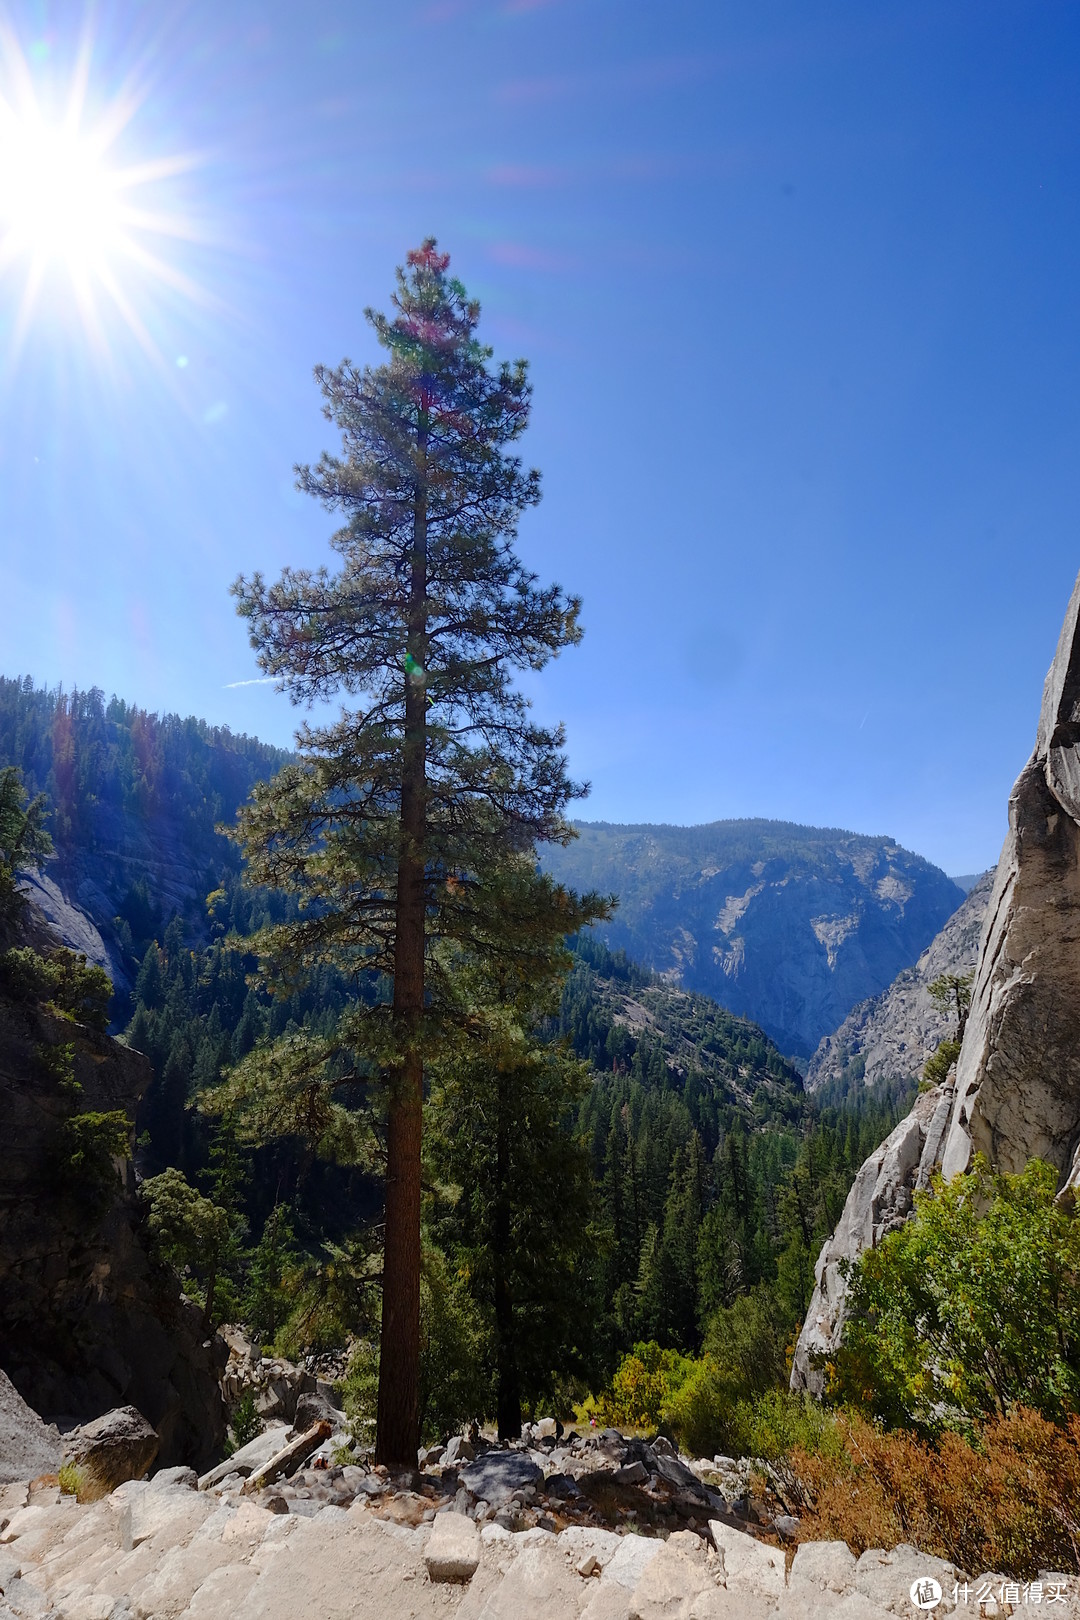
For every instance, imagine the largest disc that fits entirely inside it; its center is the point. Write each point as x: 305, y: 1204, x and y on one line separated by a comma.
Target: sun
x: 75, y: 209
x: 59, y: 200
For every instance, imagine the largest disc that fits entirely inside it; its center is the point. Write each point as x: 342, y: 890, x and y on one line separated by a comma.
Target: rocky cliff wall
x: 87, y: 1320
x: 1016, y: 1088
x: 890, y: 1037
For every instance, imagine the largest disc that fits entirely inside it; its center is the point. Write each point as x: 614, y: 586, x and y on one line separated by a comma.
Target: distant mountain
x: 790, y: 926
x: 134, y: 801
x: 968, y: 880
x: 891, y: 1036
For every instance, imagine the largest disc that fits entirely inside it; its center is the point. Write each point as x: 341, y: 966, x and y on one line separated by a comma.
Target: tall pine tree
x: 435, y: 773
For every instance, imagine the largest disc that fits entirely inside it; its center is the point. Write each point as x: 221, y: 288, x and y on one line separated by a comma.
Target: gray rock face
x: 28, y: 1447
x: 115, y: 1447
x: 1017, y: 1084
x: 789, y: 926
x: 87, y: 1321
x: 1018, y: 1075
x: 880, y: 1200
x: 71, y: 924
x: 498, y: 1474
x: 890, y: 1036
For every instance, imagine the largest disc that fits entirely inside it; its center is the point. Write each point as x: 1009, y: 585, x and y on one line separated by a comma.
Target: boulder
x: 498, y: 1474
x: 539, y: 1585
x: 823, y: 1566
x: 315, y: 1408
x: 748, y: 1562
x: 453, y: 1549
x: 886, y: 1578
x: 28, y: 1446
x: 580, y: 1542
x: 458, y: 1450
x: 630, y: 1561
x: 119, y: 1446
x: 668, y: 1584
x: 1016, y: 1093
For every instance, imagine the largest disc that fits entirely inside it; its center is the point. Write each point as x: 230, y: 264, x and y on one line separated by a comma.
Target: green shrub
x: 72, y: 1479
x: 188, y: 1232
x: 63, y: 980
x: 697, y: 1412
x: 455, y: 1353
x: 748, y: 1342
x: 969, y: 1309
x: 455, y: 1361
x: 85, y: 1154
x: 643, y: 1387
x: 246, y: 1424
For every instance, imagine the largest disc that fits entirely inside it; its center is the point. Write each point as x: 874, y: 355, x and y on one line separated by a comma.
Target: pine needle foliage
x: 434, y: 773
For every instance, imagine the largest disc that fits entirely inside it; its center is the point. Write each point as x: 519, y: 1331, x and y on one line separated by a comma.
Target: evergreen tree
x: 385, y: 827
x: 519, y: 1222
x: 23, y: 839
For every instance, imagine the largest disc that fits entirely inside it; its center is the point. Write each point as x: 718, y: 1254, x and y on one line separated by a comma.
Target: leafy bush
x: 643, y: 1387
x: 697, y: 1412
x: 1009, y: 1502
x: 707, y: 1417
x: 245, y: 1426
x: 188, y: 1232
x: 72, y: 1479
x: 64, y: 980
x: 708, y: 1404
x: 969, y: 1309
x: 85, y: 1153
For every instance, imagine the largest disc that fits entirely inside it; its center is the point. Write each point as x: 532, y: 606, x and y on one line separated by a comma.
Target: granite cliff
x: 1015, y: 1092
x: 890, y: 1037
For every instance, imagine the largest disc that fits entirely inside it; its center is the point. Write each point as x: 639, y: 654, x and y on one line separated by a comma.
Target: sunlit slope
x: 789, y: 926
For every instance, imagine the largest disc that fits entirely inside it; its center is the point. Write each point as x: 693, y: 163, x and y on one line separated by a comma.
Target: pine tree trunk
x: 507, y: 1381
x: 398, y: 1427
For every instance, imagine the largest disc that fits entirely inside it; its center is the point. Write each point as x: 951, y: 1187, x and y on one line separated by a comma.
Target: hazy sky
x: 798, y: 283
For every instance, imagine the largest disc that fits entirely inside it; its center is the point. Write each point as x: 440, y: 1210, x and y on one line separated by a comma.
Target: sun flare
x: 72, y: 203
x: 58, y: 198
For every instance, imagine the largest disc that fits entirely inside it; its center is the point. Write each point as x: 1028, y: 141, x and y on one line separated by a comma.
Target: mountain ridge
x: 789, y: 925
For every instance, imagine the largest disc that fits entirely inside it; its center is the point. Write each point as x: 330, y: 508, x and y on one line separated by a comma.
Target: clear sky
x: 798, y: 283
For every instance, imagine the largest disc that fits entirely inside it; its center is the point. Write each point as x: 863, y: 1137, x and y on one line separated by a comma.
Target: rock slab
x: 453, y: 1548
x: 28, y: 1446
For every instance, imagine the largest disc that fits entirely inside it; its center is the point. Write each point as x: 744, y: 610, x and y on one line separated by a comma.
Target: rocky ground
x: 554, y: 1527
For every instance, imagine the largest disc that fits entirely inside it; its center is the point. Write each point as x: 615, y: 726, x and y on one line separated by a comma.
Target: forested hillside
x: 134, y: 799
x: 712, y: 1175
x: 788, y: 925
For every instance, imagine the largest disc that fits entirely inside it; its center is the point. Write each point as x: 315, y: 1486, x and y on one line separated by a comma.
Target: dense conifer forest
x: 712, y: 1176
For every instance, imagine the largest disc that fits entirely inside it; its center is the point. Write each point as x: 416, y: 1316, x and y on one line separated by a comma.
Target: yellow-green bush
x: 643, y: 1387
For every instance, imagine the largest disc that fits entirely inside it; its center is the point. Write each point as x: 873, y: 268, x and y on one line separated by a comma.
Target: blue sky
x: 798, y: 287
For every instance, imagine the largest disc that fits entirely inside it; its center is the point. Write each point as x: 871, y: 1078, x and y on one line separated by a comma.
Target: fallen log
x: 288, y: 1459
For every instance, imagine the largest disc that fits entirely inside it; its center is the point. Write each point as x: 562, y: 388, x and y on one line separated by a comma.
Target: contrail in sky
x: 260, y: 680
